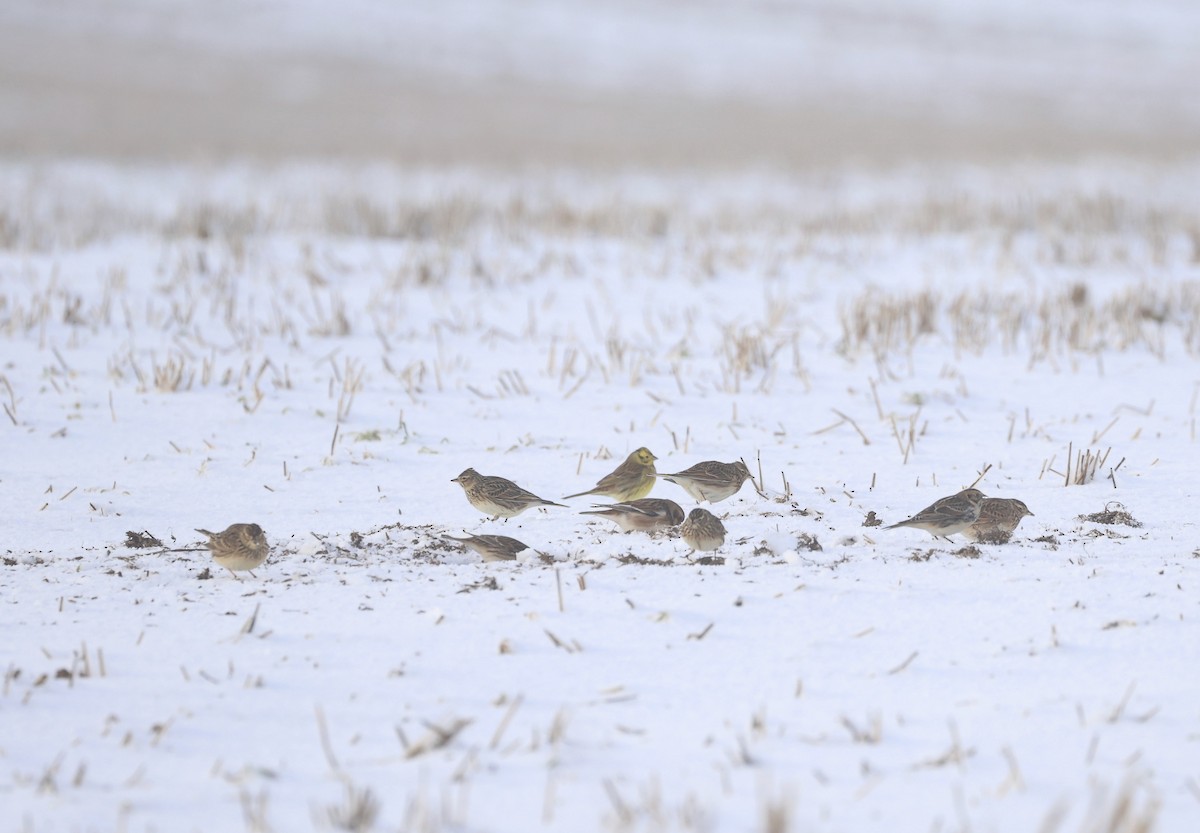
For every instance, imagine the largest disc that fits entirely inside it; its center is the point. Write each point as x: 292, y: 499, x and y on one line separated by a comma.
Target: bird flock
x: 628, y: 483
x: 970, y: 512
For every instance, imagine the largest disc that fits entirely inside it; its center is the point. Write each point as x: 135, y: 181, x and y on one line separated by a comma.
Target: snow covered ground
x: 321, y: 349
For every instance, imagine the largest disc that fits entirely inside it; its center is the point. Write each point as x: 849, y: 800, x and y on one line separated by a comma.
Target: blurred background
x: 795, y: 83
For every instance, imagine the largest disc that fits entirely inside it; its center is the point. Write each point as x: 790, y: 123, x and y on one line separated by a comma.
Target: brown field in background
x: 76, y: 92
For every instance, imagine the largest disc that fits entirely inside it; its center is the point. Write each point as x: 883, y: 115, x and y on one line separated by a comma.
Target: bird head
x: 674, y: 513
x: 643, y: 457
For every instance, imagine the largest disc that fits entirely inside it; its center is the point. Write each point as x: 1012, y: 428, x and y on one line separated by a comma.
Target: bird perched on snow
x: 239, y: 547
x: 631, y: 480
x: 493, y: 547
x: 947, y: 516
x: 645, y: 515
x: 710, y: 480
x: 496, y: 496
x: 998, y: 517
x: 702, y: 530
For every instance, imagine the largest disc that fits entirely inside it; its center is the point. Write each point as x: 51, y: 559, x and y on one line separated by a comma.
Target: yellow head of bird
x: 643, y: 456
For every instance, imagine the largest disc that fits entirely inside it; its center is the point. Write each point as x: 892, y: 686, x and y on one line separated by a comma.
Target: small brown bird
x: 998, y: 517
x: 631, y: 480
x: 710, y: 480
x: 239, y: 547
x: 645, y: 515
x: 492, y: 547
x: 703, y: 530
x: 947, y: 516
x: 496, y: 496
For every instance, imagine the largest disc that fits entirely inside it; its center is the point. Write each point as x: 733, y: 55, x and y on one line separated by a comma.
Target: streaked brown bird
x: 492, y: 547
x: 631, y: 480
x: 238, y: 547
x: 998, y: 518
x: 702, y: 530
x: 496, y: 496
x: 947, y: 516
x: 711, y: 481
x: 645, y: 515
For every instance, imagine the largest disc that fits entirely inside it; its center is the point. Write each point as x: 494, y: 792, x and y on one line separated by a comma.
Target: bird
x: 492, y: 547
x: 496, y: 496
x: 998, y: 517
x: 710, y: 480
x: 631, y: 480
x: 239, y: 547
x: 645, y: 515
x: 947, y: 516
x: 702, y: 530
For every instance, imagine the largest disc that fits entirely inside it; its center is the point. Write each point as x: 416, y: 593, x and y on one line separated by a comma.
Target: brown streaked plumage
x: 645, y: 515
x: 998, y: 518
x: 631, y: 480
x: 947, y: 516
x: 711, y: 481
x: 703, y: 530
x: 238, y: 547
x: 492, y: 547
x: 496, y: 496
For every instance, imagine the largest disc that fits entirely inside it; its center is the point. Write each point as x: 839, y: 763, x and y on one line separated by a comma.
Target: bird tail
x: 206, y: 532
x: 552, y: 503
x: 581, y: 494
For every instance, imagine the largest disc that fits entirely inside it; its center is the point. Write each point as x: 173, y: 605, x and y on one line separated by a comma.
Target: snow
x: 333, y: 345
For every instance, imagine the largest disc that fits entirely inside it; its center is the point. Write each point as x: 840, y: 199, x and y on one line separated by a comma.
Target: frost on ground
x: 321, y: 350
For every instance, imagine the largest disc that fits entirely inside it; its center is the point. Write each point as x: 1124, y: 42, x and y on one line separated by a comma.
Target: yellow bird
x: 631, y: 480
